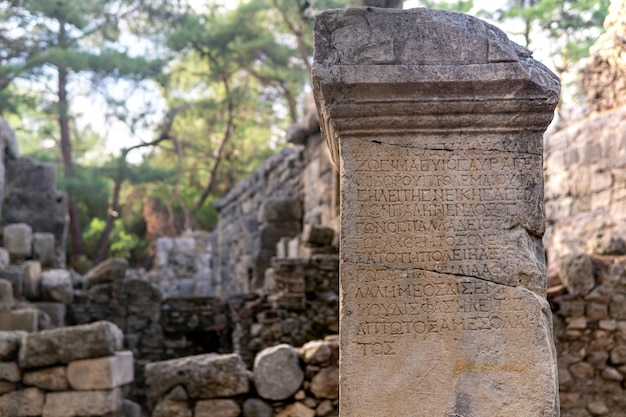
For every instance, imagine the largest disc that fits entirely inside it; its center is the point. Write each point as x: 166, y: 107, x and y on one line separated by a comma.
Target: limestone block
x: 50, y: 379
x: 10, y: 344
x: 18, y: 239
x: 31, y: 279
x: 316, y: 352
x: 55, y: 312
x: 22, y: 403
x: 436, y: 215
x: 317, y: 235
x: 204, y: 376
x: 13, y: 274
x: 325, y: 384
x: 131, y: 409
x: 617, y: 307
x: 56, y: 285
x: 618, y: 355
x: 101, y: 373
x: 280, y: 209
x: 6, y: 386
x: 277, y: 372
x: 185, y: 244
x: 9, y: 371
x: 576, y: 272
x: 6, y: 295
x: 4, y: 259
x: 24, y: 319
x: 169, y: 408
x: 296, y: 410
x: 82, y: 403
x: 43, y: 248
x: 216, y: 408
x: 112, y: 269
x: 66, y: 344
x: 254, y: 407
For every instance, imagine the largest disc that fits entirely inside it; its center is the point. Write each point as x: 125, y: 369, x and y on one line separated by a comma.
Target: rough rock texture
x: 436, y: 120
x: 203, y: 376
x: 590, y: 335
x: 216, y: 408
x: 17, y: 238
x: 101, y: 373
x: 10, y: 344
x: 56, y: 285
x: 32, y: 198
x: 6, y: 295
x: 28, y: 402
x: 108, y: 271
x: 249, y: 234
x: 66, y: 344
x: 277, y: 372
x: 585, y: 183
x: 82, y: 403
x: 604, y: 76
x: 50, y: 379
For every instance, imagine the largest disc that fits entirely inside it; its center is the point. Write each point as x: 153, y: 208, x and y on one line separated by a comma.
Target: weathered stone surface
x: 13, y: 274
x: 51, y: 379
x: 10, y: 344
x: 54, y: 311
x: 101, y: 373
x: 576, y: 273
x: 441, y: 210
x: 9, y: 371
x: 131, y: 409
x: 317, y: 235
x: 4, y: 258
x: 325, y: 384
x: 56, y: 285
x: 316, y: 352
x: 277, y: 372
x: 22, y: 403
x: 31, y: 279
x: 24, y: 319
x: 6, y: 386
x: 297, y: 410
x: 66, y: 344
x: 108, y: 271
x: 82, y: 403
x: 254, y: 407
x: 43, y: 248
x: 203, y: 376
x: 216, y: 408
x: 169, y: 408
x: 6, y: 295
x: 18, y: 239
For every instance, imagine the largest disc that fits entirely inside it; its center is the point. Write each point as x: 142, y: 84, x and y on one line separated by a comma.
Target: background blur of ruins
x: 163, y: 169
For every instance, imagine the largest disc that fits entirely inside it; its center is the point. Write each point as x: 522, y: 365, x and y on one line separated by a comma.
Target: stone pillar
x: 435, y: 120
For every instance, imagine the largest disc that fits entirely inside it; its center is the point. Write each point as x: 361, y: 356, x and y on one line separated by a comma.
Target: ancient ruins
x: 435, y: 120
x: 441, y: 288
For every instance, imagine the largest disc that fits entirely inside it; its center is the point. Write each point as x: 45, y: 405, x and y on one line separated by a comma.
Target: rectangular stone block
x: 50, y: 379
x: 6, y: 295
x: 10, y: 344
x: 22, y: 403
x: 43, y: 249
x: 66, y: 344
x: 31, y: 279
x: 435, y: 120
x: 18, y: 240
x: 55, y: 312
x: 82, y: 403
x: 101, y: 373
x: 24, y: 319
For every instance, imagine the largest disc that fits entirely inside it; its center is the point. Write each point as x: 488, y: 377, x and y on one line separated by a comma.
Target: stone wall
x: 253, y: 217
x: 590, y: 330
x: 284, y: 382
x: 73, y: 371
x: 585, y: 188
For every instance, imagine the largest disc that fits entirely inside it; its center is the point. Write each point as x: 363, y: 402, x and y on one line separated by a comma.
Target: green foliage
x: 123, y: 243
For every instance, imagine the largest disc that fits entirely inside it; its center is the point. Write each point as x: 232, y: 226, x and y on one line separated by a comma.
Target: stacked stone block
x: 68, y: 372
x: 284, y: 382
x: 253, y: 217
x: 590, y: 331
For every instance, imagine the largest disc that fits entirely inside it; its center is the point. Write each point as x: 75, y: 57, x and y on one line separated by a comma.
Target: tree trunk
x: 112, y: 214
x: 77, y: 246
